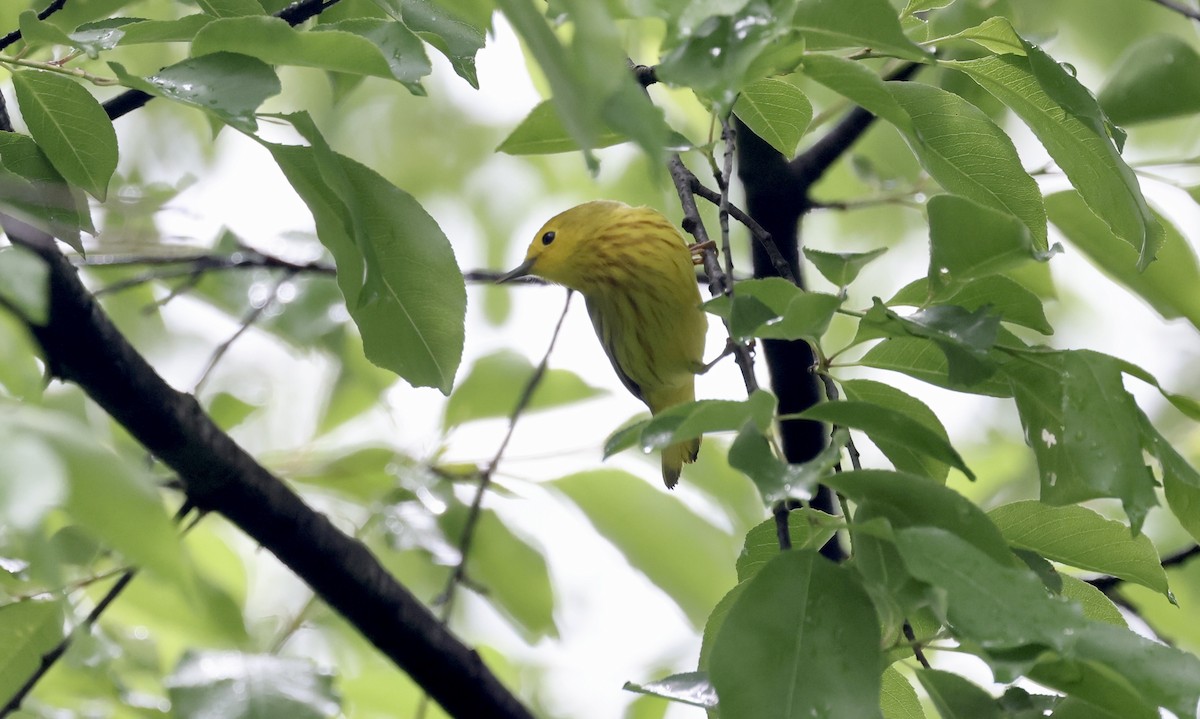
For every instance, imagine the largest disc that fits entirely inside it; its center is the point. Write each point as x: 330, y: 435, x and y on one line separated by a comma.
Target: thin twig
x: 50, y: 658
x: 245, y: 258
x: 458, y: 577
x: 831, y: 395
x: 485, y: 477
x: 15, y: 35
x: 249, y: 319
x: 757, y: 231
x: 918, y: 652
x: 718, y: 282
x: 1179, y: 8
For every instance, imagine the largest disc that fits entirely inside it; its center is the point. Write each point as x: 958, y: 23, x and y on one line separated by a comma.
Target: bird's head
x: 560, y: 250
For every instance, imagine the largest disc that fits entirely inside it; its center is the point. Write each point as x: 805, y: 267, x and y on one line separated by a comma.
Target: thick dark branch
x: 81, y: 345
x: 294, y: 14
x: 778, y: 195
x: 15, y: 35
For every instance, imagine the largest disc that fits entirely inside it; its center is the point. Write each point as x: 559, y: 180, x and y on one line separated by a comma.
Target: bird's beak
x: 519, y: 271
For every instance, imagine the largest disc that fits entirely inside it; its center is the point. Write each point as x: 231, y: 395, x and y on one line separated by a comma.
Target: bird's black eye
x: 548, y: 238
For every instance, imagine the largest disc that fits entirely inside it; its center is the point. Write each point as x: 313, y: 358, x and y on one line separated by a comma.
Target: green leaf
x: 1154, y: 80
x: 903, y: 457
x: 1096, y: 605
x: 230, y: 8
x: 1181, y: 481
x: 908, y: 500
x: 967, y: 154
x: 512, y: 574
x: 90, y: 41
x: 1184, y: 404
x: 1077, y: 414
x: 693, y: 419
x: 114, y: 500
x: 716, y: 619
x: 33, y: 480
x: 31, y: 189
x: 889, y: 425
x: 70, y: 127
x: 1078, y: 537
x: 688, y: 688
x: 867, y: 23
x: 923, y: 359
x: 1105, y: 693
x: 28, y: 630
x: 716, y: 58
x: 400, y: 47
x: 968, y: 241
x: 453, y: 36
x: 234, y: 685
x: 496, y: 382
x: 956, y: 143
x: 183, y: 29
x: 774, y: 308
x: 228, y: 411
x: 898, y: 699
x: 25, y: 284
x: 1010, y: 299
x: 995, y: 34
x: 682, y: 554
x: 840, y: 268
x: 965, y: 337
x: 799, y: 641
x: 752, y: 454
x: 375, y: 48
x: 396, y: 268
x: 21, y: 372
x: 808, y: 529
x: 957, y: 698
x: 856, y: 82
x: 590, y: 84
x: 1049, y: 101
x: 775, y: 110
x: 1005, y: 606
x: 226, y: 85
x: 543, y: 133
x: 1166, y: 285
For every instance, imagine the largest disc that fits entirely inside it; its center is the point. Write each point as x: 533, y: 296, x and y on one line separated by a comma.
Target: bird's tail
x: 673, y: 458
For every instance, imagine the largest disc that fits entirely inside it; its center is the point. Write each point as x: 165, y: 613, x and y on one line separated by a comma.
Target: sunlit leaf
x: 1081, y: 538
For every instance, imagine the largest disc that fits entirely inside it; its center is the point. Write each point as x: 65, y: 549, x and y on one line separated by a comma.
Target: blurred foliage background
x: 585, y: 573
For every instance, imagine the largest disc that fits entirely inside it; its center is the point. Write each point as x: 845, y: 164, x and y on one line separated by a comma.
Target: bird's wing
x: 606, y: 341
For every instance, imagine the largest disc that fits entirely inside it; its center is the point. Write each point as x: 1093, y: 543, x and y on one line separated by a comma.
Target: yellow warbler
x: 635, y: 272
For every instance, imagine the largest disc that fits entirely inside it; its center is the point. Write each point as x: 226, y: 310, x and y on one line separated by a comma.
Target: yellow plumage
x: 635, y: 272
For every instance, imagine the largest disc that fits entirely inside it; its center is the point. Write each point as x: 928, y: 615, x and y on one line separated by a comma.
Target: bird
x: 637, y: 277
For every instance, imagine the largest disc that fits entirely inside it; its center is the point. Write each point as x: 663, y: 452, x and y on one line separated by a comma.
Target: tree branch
x: 778, y: 195
x: 718, y: 282
x: 80, y: 344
